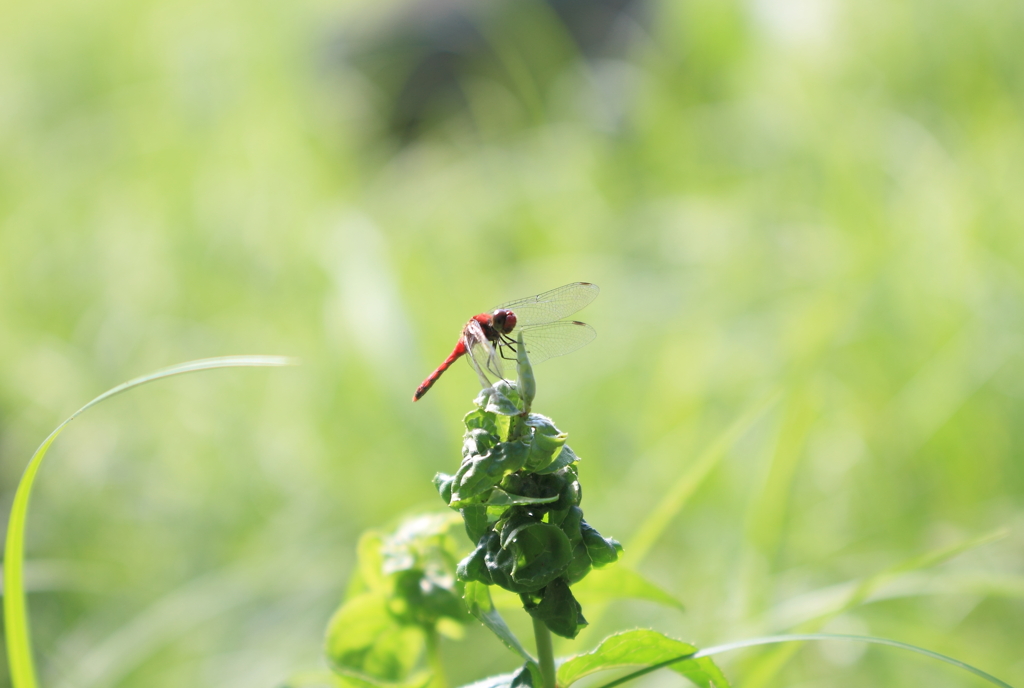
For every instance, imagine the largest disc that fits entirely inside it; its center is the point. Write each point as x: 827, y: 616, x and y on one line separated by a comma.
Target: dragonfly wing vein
x: 556, y: 339
x: 553, y: 305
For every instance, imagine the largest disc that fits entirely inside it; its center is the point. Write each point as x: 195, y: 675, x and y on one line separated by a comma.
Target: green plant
x: 518, y: 493
x: 403, y: 595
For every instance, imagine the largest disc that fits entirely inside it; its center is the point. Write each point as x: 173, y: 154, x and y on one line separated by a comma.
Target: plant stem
x: 545, y: 653
x: 434, y: 660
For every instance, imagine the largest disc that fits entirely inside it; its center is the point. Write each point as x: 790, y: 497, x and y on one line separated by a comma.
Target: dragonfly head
x: 504, y: 320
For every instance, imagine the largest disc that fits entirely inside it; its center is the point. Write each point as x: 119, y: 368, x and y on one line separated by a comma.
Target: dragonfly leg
x: 507, y: 342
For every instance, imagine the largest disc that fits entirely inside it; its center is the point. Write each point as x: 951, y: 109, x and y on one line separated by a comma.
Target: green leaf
x: 491, y: 422
x: 557, y: 608
x: 478, y: 600
x: 491, y: 565
x: 545, y: 442
x: 602, y: 550
x: 565, y: 457
x: 571, y: 525
x: 534, y: 553
x: 443, y: 482
x: 581, y: 564
x: 501, y: 399
x: 370, y: 564
x: 407, y: 588
x: 499, y: 497
x: 481, y: 419
x: 642, y: 647
x: 509, y: 390
x: 474, y: 566
x: 528, y: 676
x: 569, y: 497
x: 362, y: 637
x: 478, y: 442
x: 476, y: 520
x: 480, y: 472
x: 420, y: 541
x: 619, y: 582
x: 19, y: 641
x: 521, y: 678
x: 425, y: 597
x: 545, y: 487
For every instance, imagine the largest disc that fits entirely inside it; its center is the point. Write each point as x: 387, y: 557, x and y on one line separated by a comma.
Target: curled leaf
x: 480, y: 472
x: 500, y: 399
x: 545, y: 442
x: 602, y: 551
x: 566, y: 457
x: 557, y: 608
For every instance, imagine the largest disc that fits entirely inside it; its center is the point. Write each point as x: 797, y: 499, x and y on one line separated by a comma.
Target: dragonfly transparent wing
x: 555, y: 339
x: 483, y: 356
x: 552, y: 305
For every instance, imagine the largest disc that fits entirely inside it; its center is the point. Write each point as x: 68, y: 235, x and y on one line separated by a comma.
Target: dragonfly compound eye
x: 505, y: 320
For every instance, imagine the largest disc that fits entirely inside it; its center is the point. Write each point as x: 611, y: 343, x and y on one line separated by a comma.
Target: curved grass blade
x: 677, y: 496
x: 775, y: 639
x: 679, y: 493
x: 765, y: 671
x: 19, y: 644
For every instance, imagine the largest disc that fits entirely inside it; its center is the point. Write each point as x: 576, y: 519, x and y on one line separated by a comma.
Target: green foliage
x: 478, y: 598
x: 404, y: 593
x: 519, y: 493
x: 642, y: 647
x: 698, y: 655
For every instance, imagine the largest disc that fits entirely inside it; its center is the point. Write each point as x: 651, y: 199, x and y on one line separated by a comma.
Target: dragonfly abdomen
x: 459, y: 350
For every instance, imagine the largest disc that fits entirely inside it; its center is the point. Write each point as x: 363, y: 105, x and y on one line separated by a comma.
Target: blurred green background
x: 817, y: 199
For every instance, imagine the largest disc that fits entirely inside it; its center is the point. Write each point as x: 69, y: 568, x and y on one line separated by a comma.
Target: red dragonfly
x: 490, y: 338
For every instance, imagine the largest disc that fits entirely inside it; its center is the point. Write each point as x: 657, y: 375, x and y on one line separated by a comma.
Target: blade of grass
x: 680, y: 492
x: 766, y: 669
x: 942, y: 386
x: 19, y: 644
x: 767, y: 514
x: 775, y: 639
x: 675, y: 499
